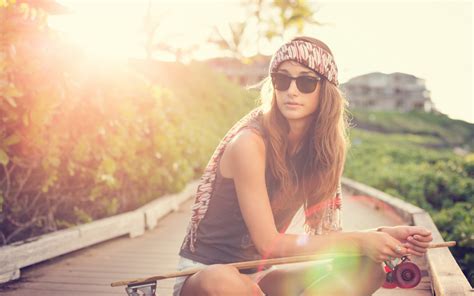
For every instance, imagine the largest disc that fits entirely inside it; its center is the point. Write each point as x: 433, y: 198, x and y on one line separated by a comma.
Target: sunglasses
x: 305, y: 84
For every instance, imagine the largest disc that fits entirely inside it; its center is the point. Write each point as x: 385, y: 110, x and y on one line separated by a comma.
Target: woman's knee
x: 218, y: 280
x: 359, y: 267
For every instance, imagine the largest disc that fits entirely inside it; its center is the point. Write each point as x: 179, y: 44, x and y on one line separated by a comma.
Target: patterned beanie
x: 309, y: 54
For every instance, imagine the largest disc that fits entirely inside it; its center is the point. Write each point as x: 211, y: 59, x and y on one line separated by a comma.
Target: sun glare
x: 116, y: 29
x: 101, y: 28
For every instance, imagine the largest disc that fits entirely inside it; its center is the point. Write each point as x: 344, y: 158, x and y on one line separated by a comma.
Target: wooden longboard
x: 256, y: 264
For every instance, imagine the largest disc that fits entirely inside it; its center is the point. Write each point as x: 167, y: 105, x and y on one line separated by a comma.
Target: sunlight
x: 100, y: 28
x: 115, y: 29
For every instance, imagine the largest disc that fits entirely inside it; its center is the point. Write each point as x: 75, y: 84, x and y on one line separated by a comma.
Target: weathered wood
x: 404, y: 209
x: 93, y: 267
x: 16, y: 256
x: 19, y: 255
x: 160, y: 207
x: 447, y: 277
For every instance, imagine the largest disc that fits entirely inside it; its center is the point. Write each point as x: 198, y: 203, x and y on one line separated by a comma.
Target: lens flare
x: 302, y: 240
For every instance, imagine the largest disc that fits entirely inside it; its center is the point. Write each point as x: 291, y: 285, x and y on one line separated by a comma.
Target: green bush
x: 445, y: 132
x: 455, y: 223
x: 83, y: 139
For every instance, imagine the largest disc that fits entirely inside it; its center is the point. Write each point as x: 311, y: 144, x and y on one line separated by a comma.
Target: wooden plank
x: 447, y: 277
x: 403, y: 208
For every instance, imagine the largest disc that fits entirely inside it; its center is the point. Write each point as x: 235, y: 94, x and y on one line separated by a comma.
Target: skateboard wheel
x: 390, y: 281
x: 407, y: 275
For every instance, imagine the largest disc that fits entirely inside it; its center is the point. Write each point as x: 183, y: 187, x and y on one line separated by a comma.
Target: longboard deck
x: 256, y: 264
x: 238, y: 265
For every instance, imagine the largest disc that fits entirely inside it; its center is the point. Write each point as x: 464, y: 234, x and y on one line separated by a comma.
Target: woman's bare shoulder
x: 247, y: 141
x: 247, y: 146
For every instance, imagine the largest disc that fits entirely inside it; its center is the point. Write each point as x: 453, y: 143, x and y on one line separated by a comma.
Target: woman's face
x: 294, y: 104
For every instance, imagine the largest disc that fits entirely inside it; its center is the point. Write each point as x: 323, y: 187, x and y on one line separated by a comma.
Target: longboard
x: 145, y: 283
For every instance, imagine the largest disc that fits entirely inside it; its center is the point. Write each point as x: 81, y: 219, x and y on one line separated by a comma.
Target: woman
x: 286, y: 154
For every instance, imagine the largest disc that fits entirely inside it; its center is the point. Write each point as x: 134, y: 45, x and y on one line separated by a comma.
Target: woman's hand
x: 415, y: 238
x: 381, y: 246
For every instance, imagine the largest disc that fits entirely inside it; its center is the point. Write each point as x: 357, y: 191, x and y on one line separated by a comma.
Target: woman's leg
x: 220, y: 280
x: 357, y: 276
x: 345, y: 276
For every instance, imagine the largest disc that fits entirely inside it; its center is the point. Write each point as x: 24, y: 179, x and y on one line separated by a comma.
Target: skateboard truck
x: 141, y: 289
x: 405, y: 274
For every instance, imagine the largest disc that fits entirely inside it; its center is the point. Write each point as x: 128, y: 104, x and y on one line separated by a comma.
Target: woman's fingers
x: 419, y: 242
x: 414, y: 248
x: 416, y: 253
x: 422, y: 231
x: 421, y: 238
x: 396, y: 251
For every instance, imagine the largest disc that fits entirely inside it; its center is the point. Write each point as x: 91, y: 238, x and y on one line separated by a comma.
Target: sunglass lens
x: 306, y: 84
x: 281, y: 81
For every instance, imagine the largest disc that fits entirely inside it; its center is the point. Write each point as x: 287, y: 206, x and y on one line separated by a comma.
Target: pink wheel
x: 390, y: 282
x: 407, y: 275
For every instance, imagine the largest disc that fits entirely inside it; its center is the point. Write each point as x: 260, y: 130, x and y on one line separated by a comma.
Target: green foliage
x: 82, y: 139
x: 444, y: 131
x: 455, y: 223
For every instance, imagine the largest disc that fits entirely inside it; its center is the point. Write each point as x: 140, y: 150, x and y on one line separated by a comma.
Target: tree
x: 270, y: 18
x: 30, y: 69
x: 152, y: 32
x: 231, y: 41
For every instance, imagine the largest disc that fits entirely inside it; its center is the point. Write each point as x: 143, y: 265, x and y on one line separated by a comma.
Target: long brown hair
x: 325, y: 141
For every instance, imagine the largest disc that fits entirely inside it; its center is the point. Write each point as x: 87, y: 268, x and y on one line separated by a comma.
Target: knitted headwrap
x: 309, y: 54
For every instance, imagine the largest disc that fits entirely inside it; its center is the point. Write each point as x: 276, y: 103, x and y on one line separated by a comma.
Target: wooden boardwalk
x: 90, y: 271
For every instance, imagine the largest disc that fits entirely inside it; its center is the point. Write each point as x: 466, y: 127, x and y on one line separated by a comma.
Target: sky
x: 429, y: 39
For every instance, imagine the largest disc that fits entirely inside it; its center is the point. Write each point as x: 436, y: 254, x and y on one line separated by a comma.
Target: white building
x: 396, y: 91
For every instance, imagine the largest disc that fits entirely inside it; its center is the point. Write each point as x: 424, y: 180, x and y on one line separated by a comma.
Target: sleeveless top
x: 217, y: 232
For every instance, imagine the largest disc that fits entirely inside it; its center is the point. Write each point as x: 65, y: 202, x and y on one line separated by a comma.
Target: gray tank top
x: 222, y: 236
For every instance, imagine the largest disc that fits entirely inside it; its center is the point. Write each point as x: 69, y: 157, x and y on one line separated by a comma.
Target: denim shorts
x: 185, y: 263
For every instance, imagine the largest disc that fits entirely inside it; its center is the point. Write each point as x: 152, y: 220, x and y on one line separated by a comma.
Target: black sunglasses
x: 305, y: 84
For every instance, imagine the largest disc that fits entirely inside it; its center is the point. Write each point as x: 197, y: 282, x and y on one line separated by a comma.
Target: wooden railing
x: 18, y: 255
x: 446, y: 276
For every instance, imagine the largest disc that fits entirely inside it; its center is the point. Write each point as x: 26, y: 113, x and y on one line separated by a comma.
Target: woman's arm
x: 246, y: 165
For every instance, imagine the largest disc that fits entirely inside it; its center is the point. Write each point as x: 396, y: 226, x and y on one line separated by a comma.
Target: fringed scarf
x: 320, y: 219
